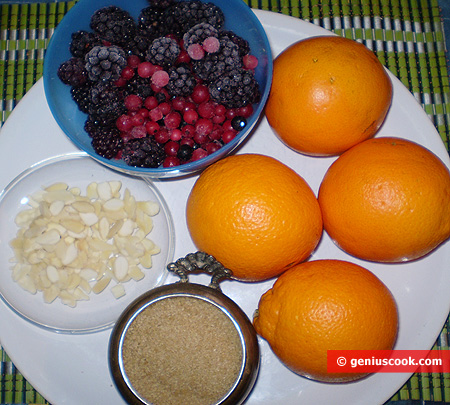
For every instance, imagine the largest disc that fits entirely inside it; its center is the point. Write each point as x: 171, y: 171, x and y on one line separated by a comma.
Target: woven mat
x: 406, y: 35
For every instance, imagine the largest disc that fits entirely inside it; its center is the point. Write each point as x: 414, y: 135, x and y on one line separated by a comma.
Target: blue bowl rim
x: 184, y: 169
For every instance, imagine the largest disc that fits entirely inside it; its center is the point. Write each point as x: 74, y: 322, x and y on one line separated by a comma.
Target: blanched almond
x: 114, y: 204
x: 104, y: 191
x: 50, y: 237
x: 89, y: 218
x: 101, y: 284
x: 120, y: 268
x: 57, y: 187
x: 118, y: 291
x: 56, y: 207
x: 69, y: 245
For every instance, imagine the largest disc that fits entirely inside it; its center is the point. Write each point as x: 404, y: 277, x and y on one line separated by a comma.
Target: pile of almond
x: 69, y: 245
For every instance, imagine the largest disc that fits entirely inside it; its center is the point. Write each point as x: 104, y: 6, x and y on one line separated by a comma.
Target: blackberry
x: 243, y: 45
x: 161, y: 4
x: 105, y: 63
x: 114, y: 25
x: 107, y: 143
x: 235, y: 89
x: 184, y: 15
x: 150, y: 22
x: 213, y: 15
x: 181, y: 81
x: 80, y: 95
x: 94, y: 128
x: 82, y: 42
x: 198, y: 33
x: 138, y: 45
x: 139, y: 86
x: 143, y: 152
x: 214, y: 65
x: 161, y: 97
x: 106, y: 103
x: 73, y: 72
x: 163, y: 52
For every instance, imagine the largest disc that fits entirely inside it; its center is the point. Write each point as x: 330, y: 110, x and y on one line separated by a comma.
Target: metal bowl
x: 250, y: 359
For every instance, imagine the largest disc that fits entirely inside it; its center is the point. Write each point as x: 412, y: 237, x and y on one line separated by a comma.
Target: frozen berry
x: 190, y: 116
x: 228, y: 136
x: 152, y: 127
x: 155, y: 114
x: 250, y: 61
x: 123, y: 123
x: 162, y: 136
x: 172, y: 120
x: 185, y: 152
x: 145, y: 69
x: 211, y: 45
x: 196, y: 51
x: 212, y: 147
x: 133, y: 61
x: 176, y: 134
x: 238, y: 123
x: 139, y: 132
x: 127, y: 73
x: 133, y: 102
x: 198, y: 154
x: 203, y: 126
x: 188, y: 131
x: 200, y: 94
x: 160, y: 78
x: 171, y: 148
x: 150, y: 103
x: 171, y: 161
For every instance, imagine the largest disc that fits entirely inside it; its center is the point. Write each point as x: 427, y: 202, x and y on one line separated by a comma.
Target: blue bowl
x: 238, y: 18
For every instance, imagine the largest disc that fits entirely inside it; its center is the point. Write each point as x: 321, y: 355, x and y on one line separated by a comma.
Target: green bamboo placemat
x: 406, y: 35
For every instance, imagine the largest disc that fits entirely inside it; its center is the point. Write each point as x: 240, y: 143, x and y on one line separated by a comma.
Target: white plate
x: 74, y: 369
x: 101, y: 310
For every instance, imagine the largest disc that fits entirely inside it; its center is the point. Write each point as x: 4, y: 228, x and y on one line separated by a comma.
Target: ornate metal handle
x: 200, y: 262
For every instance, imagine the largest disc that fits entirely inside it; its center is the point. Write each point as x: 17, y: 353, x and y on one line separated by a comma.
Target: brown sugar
x: 182, y: 350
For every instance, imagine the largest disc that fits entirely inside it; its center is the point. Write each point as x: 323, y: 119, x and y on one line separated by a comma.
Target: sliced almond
x: 89, y: 218
x: 118, y: 291
x: 83, y: 206
x: 56, y: 207
x: 120, y: 268
x: 104, y: 191
x: 101, y: 284
x: 114, y: 204
x: 50, y: 237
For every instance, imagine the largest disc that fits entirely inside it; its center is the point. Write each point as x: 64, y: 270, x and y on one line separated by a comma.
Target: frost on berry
x: 211, y: 44
x: 160, y: 78
x: 196, y: 51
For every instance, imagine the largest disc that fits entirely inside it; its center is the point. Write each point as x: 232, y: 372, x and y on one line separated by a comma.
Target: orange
x: 387, y: 199
x: 255, y: 215
x: 326, y: 305
x: 328, y: 93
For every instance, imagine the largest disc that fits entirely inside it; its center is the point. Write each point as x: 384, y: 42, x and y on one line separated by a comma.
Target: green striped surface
x: 406, y: 35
